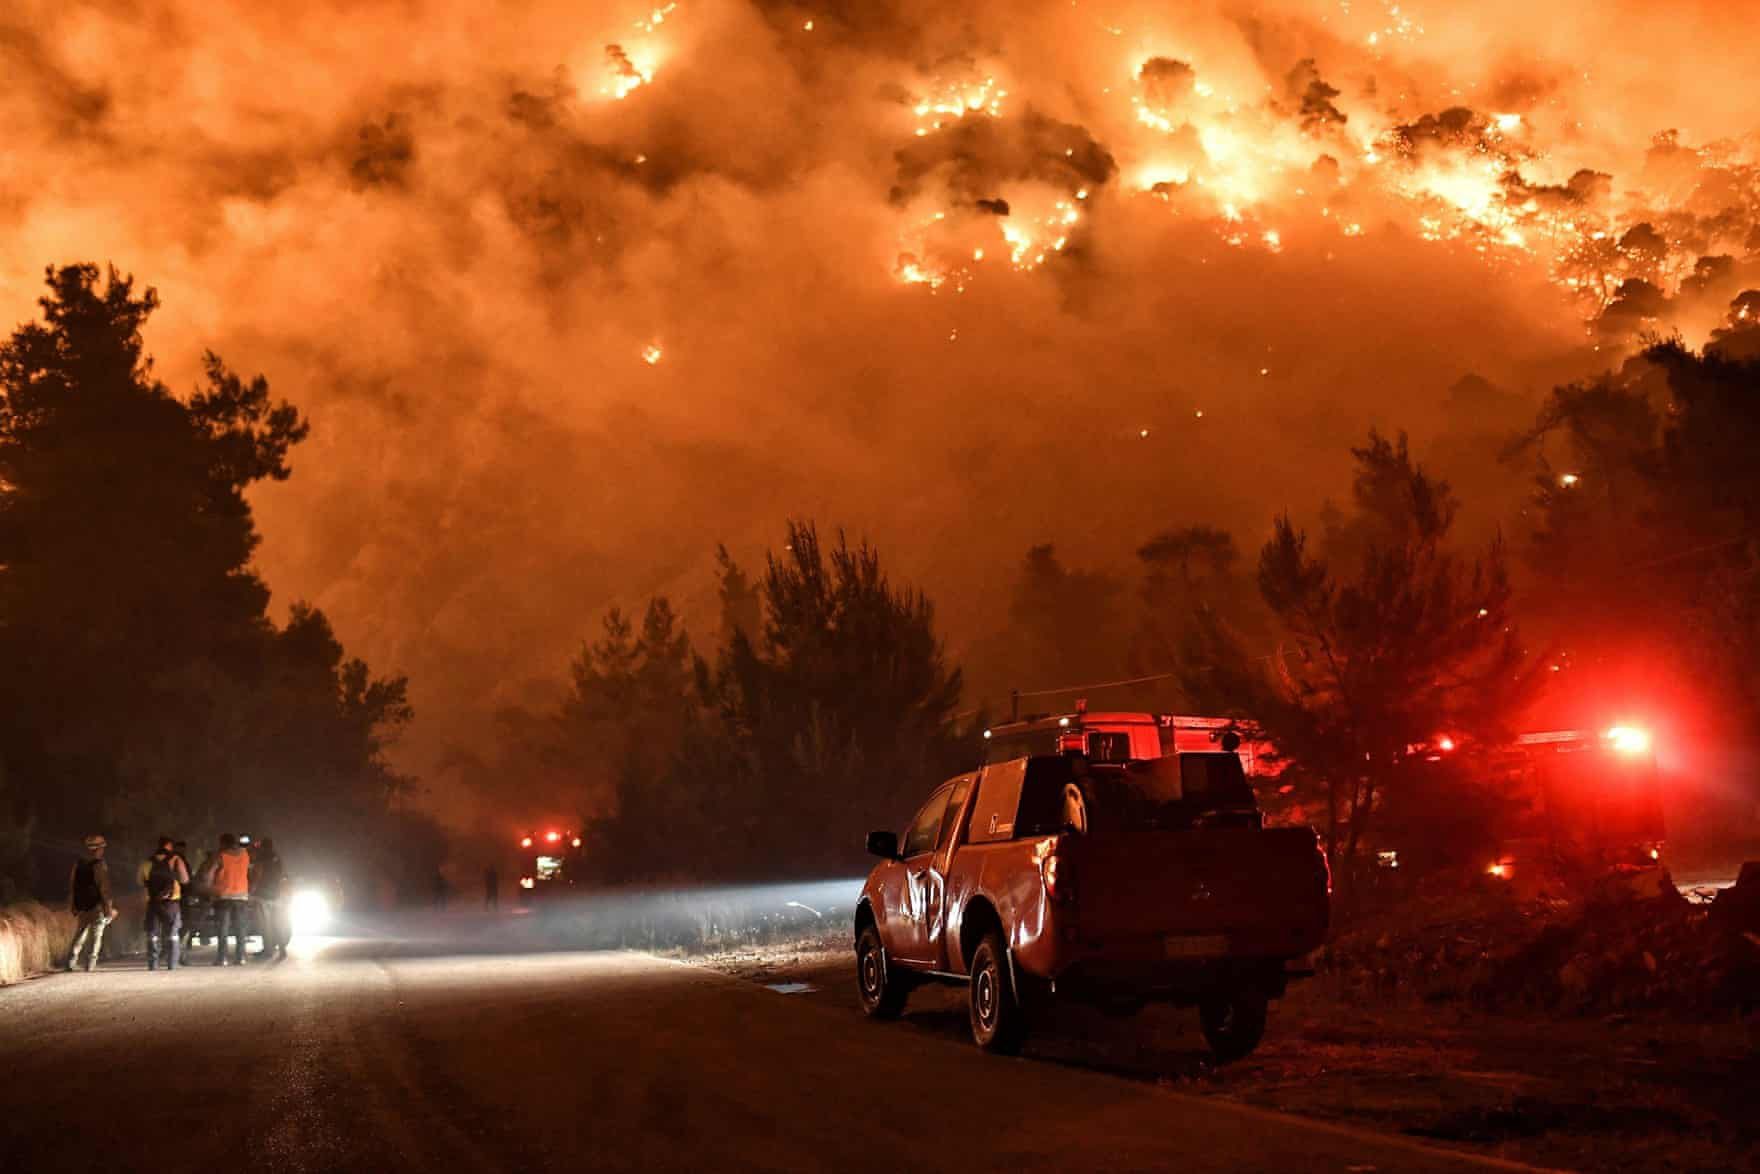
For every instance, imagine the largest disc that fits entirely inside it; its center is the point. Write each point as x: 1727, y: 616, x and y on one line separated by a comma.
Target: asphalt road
x: 364, y: 1057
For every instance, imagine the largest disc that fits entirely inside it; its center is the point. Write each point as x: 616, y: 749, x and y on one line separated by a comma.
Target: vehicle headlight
x: 309, y: 912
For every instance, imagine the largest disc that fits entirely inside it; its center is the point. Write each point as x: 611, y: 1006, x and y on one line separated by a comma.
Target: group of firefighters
x: 233, y: 881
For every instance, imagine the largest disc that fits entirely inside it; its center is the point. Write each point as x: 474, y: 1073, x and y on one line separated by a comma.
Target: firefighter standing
x: 164, y: 875
x: 231, y: 885
x: 89, y: 897
x: 268, y: 882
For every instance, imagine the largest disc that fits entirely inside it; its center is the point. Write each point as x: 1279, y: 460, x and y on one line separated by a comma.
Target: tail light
x: 1059, y: 885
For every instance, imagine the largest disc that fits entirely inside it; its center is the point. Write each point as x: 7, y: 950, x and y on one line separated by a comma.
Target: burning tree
x: 1388, y: 643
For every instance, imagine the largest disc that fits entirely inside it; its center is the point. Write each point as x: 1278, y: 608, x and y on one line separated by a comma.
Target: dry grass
x: 32, y: 939
x: 825, y: 949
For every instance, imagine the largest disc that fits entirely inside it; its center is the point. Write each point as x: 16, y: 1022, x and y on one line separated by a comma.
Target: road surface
x: 358, y: 1057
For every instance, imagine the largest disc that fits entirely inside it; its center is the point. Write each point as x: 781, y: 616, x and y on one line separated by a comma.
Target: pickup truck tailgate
x: 1200, y: 892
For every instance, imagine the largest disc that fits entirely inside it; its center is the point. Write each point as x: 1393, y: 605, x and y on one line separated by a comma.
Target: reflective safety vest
x: 232, y: 875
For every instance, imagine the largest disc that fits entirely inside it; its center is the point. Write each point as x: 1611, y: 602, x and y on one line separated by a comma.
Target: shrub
x: 32, y: 939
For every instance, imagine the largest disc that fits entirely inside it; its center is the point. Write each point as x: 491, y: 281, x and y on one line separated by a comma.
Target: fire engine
x: 550, y: 863
x: 1583, y: 802
x: 1595, y: 801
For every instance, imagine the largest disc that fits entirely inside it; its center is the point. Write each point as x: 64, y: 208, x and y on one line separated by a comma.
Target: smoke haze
x: 573, y: 292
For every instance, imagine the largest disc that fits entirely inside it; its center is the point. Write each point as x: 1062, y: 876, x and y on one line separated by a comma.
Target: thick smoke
x: 574, y: 292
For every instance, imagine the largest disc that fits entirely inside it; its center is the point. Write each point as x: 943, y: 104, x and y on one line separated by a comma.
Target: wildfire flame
x: 626, y: 75
x: 1479, y: 181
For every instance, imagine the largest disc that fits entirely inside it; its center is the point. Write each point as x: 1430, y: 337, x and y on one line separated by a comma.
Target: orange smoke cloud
x: 572, y: 292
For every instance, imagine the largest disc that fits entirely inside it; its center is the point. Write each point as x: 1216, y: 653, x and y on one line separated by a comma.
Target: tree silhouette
x: 1379, y: 653
x: 1647, y: 534
x: 1192, y: 578
x: 142, y: 680
x: 634, y: 693
x: 1066, y: 627
x: 827, y: 712
x: 843, y: 703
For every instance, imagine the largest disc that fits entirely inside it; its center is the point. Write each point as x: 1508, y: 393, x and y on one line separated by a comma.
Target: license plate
x: 1196, y: 946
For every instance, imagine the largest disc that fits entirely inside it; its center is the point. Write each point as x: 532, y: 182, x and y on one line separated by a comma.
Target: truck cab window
x: 1106, y: 746
x: 956, y: 799
x: 926, y: 826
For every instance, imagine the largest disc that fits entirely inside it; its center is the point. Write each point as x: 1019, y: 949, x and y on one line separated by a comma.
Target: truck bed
x: 1196, y: 894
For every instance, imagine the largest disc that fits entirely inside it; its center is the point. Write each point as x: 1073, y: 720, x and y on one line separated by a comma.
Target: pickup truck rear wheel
x: 998, y: 1022
x: 1233, y: 1023
x: 883, y: 990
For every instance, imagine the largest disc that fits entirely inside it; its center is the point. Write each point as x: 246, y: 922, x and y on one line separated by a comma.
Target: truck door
x: 909, y: 922
x: 935, y: 882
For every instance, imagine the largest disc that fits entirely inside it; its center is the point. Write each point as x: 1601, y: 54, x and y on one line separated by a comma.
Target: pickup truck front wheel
x: 883, y: 991
x: 1233, y: 1023
x: 998, y: 1022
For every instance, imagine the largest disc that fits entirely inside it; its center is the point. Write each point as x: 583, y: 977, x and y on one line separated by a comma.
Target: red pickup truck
x: 1050, y: 876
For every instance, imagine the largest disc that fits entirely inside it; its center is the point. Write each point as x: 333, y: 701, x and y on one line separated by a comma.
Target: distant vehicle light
x: 553, y: 836
x: 1500, y: 870
x: 1063, y: 721
x: 1445, y: 743
x: 1567, y: 480
x: 526, y: 842
x: 1629, y: 739
x: 309, y: 912
x: 986, y: 733
x: 1656, y: 853
x: 576, y: 841
x: 526, y: 882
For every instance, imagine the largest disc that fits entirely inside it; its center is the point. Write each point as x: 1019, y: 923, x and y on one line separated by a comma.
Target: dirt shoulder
x: 1617, y: 1093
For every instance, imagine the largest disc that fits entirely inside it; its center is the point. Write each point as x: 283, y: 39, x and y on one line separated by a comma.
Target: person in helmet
x: 231, y: 885
x: 89, y: 897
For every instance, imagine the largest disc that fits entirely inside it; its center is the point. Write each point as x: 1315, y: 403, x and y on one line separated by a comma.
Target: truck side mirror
x: 883, y: 845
